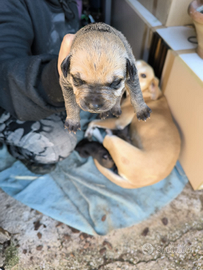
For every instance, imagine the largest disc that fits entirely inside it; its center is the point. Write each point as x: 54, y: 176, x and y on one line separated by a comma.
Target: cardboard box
x: 182, y: 76
x: 182, y: 84
x: 169, y: 12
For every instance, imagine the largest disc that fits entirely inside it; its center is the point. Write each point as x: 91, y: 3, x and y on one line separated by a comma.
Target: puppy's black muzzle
x: 94, y: 103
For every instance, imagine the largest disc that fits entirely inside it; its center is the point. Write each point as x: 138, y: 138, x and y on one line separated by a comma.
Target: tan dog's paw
x: 72, y: 125
x: 94, y: 132
x: 89, y: 133
x: 90, y: 130
x: 144, y: 113
x: 109, y: 132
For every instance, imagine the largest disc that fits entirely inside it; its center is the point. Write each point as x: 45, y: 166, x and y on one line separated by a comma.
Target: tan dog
x: 155, y: 144
x: 99, y: 68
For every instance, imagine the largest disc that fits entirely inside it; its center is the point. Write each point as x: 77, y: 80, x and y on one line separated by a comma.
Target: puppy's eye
x: 77, y: 81
x: 116, y: 84
x: 143, y: 75
x: 105, y: 156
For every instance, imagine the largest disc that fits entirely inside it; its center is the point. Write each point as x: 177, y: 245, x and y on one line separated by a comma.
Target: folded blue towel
x: 77, y: 194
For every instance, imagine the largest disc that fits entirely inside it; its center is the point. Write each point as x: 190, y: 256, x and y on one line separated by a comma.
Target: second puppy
x: 155, y: 144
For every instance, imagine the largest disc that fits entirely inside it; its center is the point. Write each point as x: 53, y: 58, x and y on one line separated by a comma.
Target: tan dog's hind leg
x: 127, y: 159
x: 123, y: 155
x: 116, y: 179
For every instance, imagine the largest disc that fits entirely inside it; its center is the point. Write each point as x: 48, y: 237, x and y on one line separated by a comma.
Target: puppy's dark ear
x: 130, y: 70
x: 65, y: 66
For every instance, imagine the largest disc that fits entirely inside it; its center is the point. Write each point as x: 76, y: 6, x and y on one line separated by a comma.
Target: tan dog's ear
x: 65, y: 66
x: 154, y: 89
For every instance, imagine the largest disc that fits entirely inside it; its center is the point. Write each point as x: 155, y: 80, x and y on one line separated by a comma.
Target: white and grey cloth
x: 44, y: 141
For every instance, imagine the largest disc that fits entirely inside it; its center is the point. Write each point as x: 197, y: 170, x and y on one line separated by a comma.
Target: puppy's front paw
x: 116, y: 112
x: 104, y: 115
x: 144, y: 113
x: 72, y: 125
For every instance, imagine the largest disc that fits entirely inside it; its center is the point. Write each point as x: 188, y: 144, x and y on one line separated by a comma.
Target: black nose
x: 94, y: 102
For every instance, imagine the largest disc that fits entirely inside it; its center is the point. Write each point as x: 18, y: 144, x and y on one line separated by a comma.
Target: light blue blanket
x: 77, y: 194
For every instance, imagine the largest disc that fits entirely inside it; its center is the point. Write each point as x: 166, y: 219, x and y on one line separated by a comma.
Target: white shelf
x: 177, y: 37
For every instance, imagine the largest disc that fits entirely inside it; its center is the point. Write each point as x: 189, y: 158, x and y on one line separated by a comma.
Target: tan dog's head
x: 148, y: 82
x: 96, y: 69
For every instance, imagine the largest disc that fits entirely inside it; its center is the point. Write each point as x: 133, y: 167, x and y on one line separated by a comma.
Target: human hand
x: 64, y: 49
